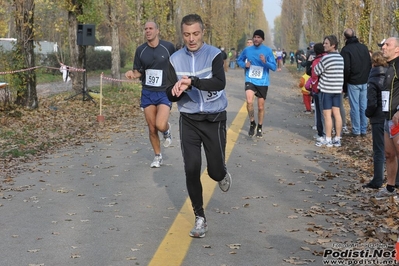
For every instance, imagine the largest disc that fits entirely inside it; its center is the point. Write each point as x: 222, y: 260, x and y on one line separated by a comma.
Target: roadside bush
x: 101, y: 60
x: 98, y: 60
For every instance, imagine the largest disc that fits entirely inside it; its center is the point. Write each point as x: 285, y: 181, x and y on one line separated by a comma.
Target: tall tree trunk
x: 115, y: 53
x: 76, y: 51
x: 24, y: 18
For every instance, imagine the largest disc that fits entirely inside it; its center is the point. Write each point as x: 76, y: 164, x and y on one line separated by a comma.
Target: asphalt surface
x: 101, y: 204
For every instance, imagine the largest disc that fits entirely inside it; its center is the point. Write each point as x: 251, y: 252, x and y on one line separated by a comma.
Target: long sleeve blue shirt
x: 258, y: 73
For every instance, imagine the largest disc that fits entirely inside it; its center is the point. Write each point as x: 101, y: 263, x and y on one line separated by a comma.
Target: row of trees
x: 311, y: 20
x: 229, y: 23
x: 119, y: 24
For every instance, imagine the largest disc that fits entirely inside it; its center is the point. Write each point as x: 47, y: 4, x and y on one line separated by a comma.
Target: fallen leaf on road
x: 234, y: 246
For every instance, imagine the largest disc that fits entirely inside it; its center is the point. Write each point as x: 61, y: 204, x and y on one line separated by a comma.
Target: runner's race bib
x: 385, y: 101
x: 210, y: 96
x: 153, y: 77
x: 255, y: 72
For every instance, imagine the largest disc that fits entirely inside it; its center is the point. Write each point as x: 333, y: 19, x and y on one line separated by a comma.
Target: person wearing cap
x: 381, y: 43
x: 357, y: 66
x: 310, y: 55
x: 310, y: 51
x: 257, y: 60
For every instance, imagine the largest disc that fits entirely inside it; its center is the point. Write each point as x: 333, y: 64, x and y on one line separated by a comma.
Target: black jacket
x: 224, y: 55
x: 375, y: 84
x: 391, y: 84
x: 357, y: 62
x: 307, y: 64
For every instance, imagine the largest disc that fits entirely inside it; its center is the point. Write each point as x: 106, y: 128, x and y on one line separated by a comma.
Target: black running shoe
x: 259, y: 132
x: 251, y: 131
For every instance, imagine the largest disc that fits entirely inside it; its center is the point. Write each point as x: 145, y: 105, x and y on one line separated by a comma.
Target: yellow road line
x: 176, y: 242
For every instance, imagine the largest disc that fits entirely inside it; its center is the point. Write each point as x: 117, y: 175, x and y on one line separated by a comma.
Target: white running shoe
x: 157, y: 162
x: 225, y: 183
x: 200, y: 227
x: 324, y: 142
x: 384, y: 193
x: 336, y: 142
x: 167, y: 137
x: 345, y: 130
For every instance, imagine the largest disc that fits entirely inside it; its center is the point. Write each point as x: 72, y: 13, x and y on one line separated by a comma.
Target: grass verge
x: 26, y: 135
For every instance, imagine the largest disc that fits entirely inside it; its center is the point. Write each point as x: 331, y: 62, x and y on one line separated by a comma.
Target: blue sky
x: 272, y: 9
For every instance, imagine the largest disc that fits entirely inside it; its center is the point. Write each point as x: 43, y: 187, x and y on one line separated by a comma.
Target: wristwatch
x: 193, y: 80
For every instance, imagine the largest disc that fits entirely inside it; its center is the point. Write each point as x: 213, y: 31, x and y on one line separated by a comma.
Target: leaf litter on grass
x: 30, y: 135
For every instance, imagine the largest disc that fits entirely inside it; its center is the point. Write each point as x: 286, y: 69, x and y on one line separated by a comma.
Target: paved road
x: 101, y: 204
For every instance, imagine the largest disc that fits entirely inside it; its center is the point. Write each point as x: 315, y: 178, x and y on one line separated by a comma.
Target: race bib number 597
x: 153, y: 77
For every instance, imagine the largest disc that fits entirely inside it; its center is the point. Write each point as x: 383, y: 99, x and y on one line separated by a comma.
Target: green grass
x: 43, y: 76
x: 108, y: 71
x: 115, y: 94
x: 17, y: 153
x: 6, y: 134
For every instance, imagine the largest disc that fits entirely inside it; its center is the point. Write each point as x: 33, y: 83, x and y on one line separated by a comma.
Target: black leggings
x: 212, y: 135
x: 319, y: 114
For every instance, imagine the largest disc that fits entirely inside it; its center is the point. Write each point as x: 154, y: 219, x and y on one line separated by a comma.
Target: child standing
x: 306, y: 95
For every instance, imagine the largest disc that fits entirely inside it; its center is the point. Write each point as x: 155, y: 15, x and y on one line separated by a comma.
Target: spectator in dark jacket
x: 377, y: 117
x: 299, y: 57
x: 310, y: 55
x: 357, y: 65
x: 374, y: 111
x: 319, y: 52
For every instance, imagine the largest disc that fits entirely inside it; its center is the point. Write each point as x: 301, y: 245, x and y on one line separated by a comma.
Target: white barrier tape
x: 120, y: 80
x: 71, y: 69
x: 31, y: 68
x: 17, y: 71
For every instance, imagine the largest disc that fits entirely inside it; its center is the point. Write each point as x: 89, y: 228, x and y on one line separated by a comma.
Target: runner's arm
x: 218, y: 80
